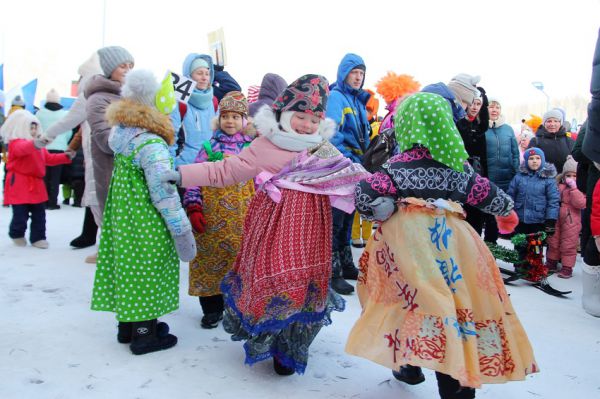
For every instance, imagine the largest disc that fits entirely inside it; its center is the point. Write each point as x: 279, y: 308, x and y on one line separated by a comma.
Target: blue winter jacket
x: 502, y: 155
x: 535, y: 194
x: 458, y: 112
x: 196, y: 122
x: 347, y: 107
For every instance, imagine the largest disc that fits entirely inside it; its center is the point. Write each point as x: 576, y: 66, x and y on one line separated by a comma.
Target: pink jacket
x: 563, y: 244
x: 260, y: 156
x: 26, y: 168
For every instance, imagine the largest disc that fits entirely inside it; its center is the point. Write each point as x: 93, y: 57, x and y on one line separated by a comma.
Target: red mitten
x: 507, y: 224
x: 196, y: 217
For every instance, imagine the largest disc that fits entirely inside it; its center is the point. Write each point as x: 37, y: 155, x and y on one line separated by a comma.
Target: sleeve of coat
x: 96, y: 116
x: 577, y: 153
x: 512, y: 187
x: 224, y: 83
x: 514, y: 148
x: 595, y: 216
x: 155, y: 160
x: 553, y: 198
x: 335, y: 112
x: 55, y: 159
x: 576, y: 198
x: 75, y: 117
x: 591, y: 142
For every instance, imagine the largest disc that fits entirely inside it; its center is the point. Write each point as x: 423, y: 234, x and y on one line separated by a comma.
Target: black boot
x: 449, y: 388
x: 126, y: 331
x: 145, y: 338
x: 88, y: 234
x: 280, y: 368
x: 211, y: 320
x: 411, y: 375
x: 349, y: 271
x: 338, y: 283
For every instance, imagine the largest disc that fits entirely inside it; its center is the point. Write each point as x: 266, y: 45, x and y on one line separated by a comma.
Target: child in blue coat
x: 535, y: 193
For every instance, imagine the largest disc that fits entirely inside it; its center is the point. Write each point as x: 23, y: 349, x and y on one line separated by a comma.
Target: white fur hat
x: 52, y: 96
x: 140, y: 86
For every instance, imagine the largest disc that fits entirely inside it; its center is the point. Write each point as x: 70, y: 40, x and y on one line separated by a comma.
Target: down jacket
x: 502, y: 153
x: 535, y: 194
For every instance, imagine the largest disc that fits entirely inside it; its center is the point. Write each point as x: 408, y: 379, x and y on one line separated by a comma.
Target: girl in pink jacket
x: 277, y: 295
x: 25, y: 170
x: 562, y: 246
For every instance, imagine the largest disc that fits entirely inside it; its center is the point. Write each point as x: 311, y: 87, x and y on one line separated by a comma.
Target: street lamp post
x: 540, y: 87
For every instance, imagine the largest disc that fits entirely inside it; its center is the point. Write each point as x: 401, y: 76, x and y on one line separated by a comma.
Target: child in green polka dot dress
x: 145, y: 231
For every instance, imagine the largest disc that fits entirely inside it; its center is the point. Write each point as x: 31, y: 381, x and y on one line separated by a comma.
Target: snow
x: 53, y: 346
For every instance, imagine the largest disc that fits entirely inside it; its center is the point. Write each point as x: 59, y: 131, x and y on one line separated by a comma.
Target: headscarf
x: 426, y: 119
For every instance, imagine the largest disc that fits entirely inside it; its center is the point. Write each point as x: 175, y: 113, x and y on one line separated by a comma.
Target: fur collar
x: 548, y: 171
x: 133, y: 114
x: 267, y: 125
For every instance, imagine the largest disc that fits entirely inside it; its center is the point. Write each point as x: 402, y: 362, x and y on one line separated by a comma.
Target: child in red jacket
x: 25, y: 170
x: 562, y: 246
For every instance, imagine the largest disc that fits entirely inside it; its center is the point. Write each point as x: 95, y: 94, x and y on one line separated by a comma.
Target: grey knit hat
x: 464, y: 87
x: 553, y: 113
x: 570, y: 165
x: 111, y: 57
x: 140, y: 86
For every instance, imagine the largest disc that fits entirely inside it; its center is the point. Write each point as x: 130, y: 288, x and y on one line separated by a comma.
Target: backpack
x: 380, y: 150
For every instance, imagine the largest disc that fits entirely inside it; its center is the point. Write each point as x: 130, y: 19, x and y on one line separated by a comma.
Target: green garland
x: 510, y: 255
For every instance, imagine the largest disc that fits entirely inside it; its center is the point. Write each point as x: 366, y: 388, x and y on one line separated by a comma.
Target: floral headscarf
x: 426, y: 119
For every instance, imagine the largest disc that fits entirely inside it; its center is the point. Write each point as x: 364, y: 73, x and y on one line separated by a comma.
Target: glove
x: 196, y: 217
x: 570, y: 183
x: 169, y: 178
x: 550, y: 226
x: 185, y: 245
x: 41, y: 142
x: 507, y: 224
x: 70, y: 153
x: 383, y: 208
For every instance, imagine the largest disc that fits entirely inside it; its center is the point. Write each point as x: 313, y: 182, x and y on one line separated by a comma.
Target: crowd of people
x: 265, y: 199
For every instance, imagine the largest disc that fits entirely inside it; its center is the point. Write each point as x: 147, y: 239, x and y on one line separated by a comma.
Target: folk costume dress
x: 137, y: 274
x: 277, y: 295
x: 224, y: 210
x: 430, y: 290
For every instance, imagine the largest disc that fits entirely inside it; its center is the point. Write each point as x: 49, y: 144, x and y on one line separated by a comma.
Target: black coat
x: 591, y: 144
x: 587, y: 173
x: 473, y: 135
x: 556, y: 147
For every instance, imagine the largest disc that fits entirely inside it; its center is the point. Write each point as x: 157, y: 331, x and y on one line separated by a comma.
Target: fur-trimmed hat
x: 570, y: 165
x: 464, y: 87
x: 234, y: 101
x: 306, y: 94
x: 53, y: 97
x: 140, y: 86
x: 111, y: 57
x: 534, y: 151
x: 553, y: 113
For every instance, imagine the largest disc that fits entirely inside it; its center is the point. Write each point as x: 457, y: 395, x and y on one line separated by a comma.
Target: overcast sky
x: 509, y: 43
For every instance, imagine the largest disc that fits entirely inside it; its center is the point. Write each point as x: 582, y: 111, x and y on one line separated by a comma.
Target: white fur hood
x: 266, y: 124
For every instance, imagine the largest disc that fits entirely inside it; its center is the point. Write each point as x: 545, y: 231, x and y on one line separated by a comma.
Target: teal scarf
x: 201, y: 99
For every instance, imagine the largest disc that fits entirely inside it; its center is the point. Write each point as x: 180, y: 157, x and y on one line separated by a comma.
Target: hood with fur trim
x: 266, y: 124
x: 133, y: 114
x: 547, y: 171
x: 249, y: 130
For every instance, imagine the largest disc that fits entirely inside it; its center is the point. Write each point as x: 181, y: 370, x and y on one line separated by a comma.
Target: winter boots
x: 88, y: 234
x: 551, y: 265
x: 410, y: 375
x: 280, y: 368
x: 125, y: 331
x: 338, y: 283
x: 145, y: 338
x: 349, y: 271
x: 566, y: 272
x: 211, y: 320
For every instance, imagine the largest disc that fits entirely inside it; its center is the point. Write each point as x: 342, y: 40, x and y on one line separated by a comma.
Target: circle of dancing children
x: 25, y: 189
x: 277, y: 295
x: 430, y: 290
x: 217, y: 214
x: 144, y: 227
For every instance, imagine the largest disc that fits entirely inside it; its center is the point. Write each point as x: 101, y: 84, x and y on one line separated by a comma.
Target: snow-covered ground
x: 53, y: 346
